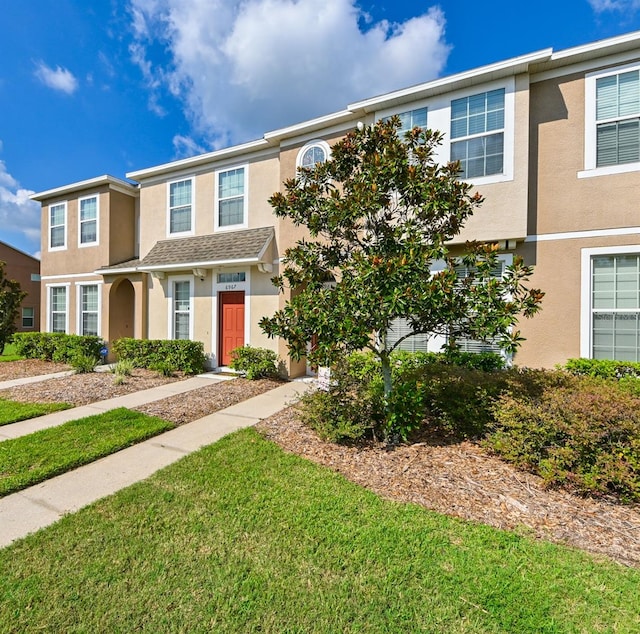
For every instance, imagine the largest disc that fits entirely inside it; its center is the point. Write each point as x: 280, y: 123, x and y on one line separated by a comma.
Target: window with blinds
x: 618, y: 119
x: 400, y: 327
x: 477, y: 133
x: 615, y: 307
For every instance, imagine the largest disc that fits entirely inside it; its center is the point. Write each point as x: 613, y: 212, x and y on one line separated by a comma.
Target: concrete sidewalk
x: 43, y: 504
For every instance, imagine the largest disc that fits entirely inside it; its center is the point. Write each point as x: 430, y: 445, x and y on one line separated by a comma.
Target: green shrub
x: 349, y: 410
x: 163, y: 368
x: 603, y: 368
x: 584, y: 434
x: 254, y: 363
x: 56, y: 346
x: 181, y: 355
x: 84, y: 363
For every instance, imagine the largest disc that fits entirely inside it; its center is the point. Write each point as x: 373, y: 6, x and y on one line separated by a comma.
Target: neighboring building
x: 550, y: 139
x: 25, y: 269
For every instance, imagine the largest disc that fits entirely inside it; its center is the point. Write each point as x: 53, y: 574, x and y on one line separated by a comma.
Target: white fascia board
x: 201, y: 159
x: 313, y: 125
x: 599, y: 48
x: 132, y: 269
x: 113, y: 182
x: 192, y: 265
x: 452, y: 83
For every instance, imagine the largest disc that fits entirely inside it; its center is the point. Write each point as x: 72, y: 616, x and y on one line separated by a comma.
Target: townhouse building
x: 550, y: 139
x: 25, y: 269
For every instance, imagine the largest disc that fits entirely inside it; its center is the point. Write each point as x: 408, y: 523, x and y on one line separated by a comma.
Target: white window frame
x: 171, y: 281
x: 66, y: 286
x: 586, y: 289
x: 311, y: 144
x: 439, y: 118
x: 81, y: 222
x: 245, y: 209
x: 32, y: 318
x: 191, y: 231
x: 79, y: 288
x: 590, y: 123
x: 410, y: 111
x: 63, y: 246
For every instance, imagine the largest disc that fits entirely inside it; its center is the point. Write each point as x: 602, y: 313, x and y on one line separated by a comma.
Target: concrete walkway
x: 43, y: 504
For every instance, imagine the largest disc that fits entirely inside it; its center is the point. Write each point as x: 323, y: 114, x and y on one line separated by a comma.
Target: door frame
x: 215, y: 312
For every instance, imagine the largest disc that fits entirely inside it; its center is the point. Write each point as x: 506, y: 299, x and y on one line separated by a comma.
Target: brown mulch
x: 21, y: 369
x: 82, y: 389
x: 464, y: 481
x: 184, y: 408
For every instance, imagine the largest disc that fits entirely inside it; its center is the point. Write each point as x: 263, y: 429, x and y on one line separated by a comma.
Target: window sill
x: 609, y: 170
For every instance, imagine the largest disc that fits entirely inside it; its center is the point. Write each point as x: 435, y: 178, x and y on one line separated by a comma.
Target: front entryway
x: 231, y: 324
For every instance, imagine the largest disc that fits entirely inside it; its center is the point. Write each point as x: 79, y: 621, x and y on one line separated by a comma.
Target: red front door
x: 231, y: 320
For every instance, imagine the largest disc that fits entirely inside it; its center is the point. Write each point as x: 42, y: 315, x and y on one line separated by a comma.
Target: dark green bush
x: 181, y: 355
x: 56, y: 346
x: 254, y: 363
x: 584, y: 434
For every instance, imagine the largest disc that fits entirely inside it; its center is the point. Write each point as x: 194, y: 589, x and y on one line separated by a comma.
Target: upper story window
x: 88, y: 219
x: 231, y: 203
x: 413, y: 119
x: 612, y: 121
x: 477, y: 133
x: 58, y: 226
x: 181, y: 206
x: 618, y: 119
x: 313, y: 153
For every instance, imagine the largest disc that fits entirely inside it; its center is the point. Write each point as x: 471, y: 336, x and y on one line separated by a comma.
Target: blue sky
x: 112, y: 86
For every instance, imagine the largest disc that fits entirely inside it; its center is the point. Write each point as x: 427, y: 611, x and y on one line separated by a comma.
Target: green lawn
x: 241, y: 537
x: 9, y: 353
x: 33, y: 458
x: 14, y: 411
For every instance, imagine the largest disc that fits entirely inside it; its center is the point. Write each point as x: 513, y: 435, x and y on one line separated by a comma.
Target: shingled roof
x: 228, y: 246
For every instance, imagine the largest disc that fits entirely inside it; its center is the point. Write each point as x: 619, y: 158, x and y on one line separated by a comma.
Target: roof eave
x: 99, y: 181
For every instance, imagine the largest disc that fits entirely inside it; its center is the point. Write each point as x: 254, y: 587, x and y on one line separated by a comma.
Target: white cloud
x: 185, y: 146
x: 243, y: 68
x: 623, y: 6
x: 18, y: 213
x: 57, y: 78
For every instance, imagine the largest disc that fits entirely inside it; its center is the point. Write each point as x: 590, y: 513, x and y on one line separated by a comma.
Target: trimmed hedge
x: 254, y: 363
x: 603, y: 368
x: 177, y: 355
x: 56, y: 346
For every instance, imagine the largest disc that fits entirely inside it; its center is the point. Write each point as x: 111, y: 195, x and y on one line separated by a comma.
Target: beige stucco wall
x: 553, y: 335
x: 503, y: 214
x: 560, y: 201
x: 263, y: 180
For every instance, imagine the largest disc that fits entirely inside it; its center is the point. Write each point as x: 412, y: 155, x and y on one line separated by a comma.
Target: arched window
x: 313, y: 153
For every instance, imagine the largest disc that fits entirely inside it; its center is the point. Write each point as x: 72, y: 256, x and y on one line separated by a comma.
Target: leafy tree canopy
x: 380, y: 212
x: 11, y: 297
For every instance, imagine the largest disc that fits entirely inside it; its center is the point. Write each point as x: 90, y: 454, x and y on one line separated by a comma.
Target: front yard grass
x: 14, y: 411
x: 242, y: 537
x: 9, y: 353
x: 33, y: 458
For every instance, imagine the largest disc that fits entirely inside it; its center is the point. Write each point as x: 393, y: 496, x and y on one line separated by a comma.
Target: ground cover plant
x: 30, y: 459
x: 15, y: 411
x: 242, y: 537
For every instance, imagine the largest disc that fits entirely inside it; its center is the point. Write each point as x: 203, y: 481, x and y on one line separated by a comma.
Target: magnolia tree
x: 10, y: 299
x: 379, y: 214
